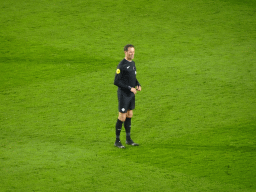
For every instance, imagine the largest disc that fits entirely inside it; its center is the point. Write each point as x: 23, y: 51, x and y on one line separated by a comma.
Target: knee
x: 122, y: 117
x: 129, y: 114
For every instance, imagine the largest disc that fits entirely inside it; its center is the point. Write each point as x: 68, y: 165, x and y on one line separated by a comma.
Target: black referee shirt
x: 125, y: 77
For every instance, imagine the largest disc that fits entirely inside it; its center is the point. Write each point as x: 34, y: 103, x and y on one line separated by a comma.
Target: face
x: 129, y: 55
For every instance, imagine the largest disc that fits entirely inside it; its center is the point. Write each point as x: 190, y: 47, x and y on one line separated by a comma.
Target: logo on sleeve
x: 117, y: 71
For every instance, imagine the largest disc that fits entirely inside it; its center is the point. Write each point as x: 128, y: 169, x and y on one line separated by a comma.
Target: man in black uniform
x: 128, y: 86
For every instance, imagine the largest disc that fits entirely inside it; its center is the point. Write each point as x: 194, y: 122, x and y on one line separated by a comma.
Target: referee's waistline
x: 125, y: 91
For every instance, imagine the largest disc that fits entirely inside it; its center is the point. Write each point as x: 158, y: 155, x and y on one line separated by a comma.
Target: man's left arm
x: 138, y: 87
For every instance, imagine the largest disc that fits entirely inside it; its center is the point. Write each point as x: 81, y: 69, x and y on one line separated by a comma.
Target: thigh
x: 123, y: 102
x: 132, y: 103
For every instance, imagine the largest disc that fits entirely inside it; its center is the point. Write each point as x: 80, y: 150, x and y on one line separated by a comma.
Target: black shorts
x: 125, y: 101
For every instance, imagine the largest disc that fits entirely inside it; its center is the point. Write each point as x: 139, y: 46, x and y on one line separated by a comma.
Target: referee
x: 128, y: 85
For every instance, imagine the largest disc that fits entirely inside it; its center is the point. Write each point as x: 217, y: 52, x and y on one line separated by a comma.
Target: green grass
x: 195, y: 118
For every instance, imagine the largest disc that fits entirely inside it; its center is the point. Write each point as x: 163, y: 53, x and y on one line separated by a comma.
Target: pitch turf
x: 195, y: 117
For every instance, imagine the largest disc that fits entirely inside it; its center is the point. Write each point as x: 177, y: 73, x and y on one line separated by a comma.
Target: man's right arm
x: 119, y: 82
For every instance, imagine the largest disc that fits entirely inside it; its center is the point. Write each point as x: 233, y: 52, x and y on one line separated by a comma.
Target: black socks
x: 127, y: 126
x: 119, y: 125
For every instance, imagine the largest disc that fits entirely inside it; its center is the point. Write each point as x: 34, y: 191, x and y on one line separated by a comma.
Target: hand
x: 133, y: 90
x: 138, y: 88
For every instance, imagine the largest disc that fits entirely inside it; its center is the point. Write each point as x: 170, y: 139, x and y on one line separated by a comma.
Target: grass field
x: 195, y: 119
